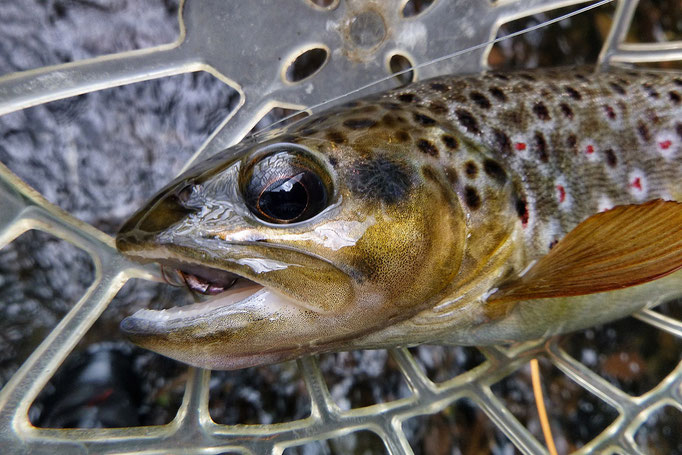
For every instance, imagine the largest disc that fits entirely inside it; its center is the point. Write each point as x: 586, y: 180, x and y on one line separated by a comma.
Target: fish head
x: 305, y: 241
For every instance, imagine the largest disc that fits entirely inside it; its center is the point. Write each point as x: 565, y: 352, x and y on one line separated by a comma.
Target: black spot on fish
x: 678, y: 81
x: 581, y: 77
x: 521, y: 209
x: 617, y: 88
x: 438, y: 108
x: 437, y: 86
x: 650, y: 90
x: 480, y: 100
x: 610, y: 112
x: 674, y: 97
x: 427, y: 147
x: 541, y: 146
x: 502, y: 142
x: 571, y: 142
x: 380, y: 178
x: 494, y: 171
x: 359, y: 123
x: 527, y: 77
x: 449, y: 141
x: 337, y: 137
x: 573, y: 93
x: 498, y: 94
x: 611, y: 159
x: 471, y: 198
x: 566, y: 110
x: 424, y: 119
x: 408, y: 98
x: 402, y: 136
x: 451, y: 175
x: 541, y: 111
x: 678, y: 129
x: 333, y: 161
x: 467, y: 120
x: 500, y: 76
x: 643, y: 131
x: 470, y: 169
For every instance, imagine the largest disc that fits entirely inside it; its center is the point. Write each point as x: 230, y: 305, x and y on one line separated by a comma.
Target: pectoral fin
x: 625, y: 246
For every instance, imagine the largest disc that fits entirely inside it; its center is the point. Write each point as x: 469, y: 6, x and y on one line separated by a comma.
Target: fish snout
x: 157, y: 217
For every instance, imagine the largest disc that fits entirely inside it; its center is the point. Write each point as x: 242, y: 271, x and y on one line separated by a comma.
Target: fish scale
x: 462, y: 209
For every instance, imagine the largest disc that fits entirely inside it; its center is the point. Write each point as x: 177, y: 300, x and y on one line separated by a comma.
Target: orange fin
x: 625, y: 246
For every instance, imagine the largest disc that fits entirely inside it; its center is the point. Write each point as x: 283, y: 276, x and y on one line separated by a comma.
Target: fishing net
x: 298, y: 54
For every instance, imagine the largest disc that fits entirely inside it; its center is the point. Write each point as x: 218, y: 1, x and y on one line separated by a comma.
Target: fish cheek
x: 318, y: 287
x: 411, y: 255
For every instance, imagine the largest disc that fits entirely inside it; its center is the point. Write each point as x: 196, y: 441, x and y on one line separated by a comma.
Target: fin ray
x: 622, y: 247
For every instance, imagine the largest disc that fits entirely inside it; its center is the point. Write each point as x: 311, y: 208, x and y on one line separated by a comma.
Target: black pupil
x: 286, y: 199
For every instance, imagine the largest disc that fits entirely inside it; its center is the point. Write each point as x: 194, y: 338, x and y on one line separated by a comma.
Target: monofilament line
x: 440, y: 59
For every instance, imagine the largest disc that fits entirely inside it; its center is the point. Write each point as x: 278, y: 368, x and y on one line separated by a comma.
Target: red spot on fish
x: 665, y: 144
x: 520, y: 146
x: 589, y: 149
x: 637, y: 183
x: 562, y: 193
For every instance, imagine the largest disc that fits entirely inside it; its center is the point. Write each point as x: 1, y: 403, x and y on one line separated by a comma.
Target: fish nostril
x: 185, y: 193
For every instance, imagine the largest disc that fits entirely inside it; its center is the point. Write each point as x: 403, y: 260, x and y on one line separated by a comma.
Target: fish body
x: 428, y: 213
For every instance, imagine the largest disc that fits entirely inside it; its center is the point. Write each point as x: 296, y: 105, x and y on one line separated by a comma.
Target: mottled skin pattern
x: 574, y: 143
x: 443, y: 190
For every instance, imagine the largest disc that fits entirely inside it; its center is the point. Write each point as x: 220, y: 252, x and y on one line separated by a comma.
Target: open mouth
x: 201, y: 280
x: 219, y: 291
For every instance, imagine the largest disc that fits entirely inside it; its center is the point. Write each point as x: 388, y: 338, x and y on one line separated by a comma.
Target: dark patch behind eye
x: 380, y: 178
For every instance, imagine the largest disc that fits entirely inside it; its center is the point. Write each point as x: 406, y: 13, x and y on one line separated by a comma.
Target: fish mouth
x: 213, y: 288
x: 228, y: 330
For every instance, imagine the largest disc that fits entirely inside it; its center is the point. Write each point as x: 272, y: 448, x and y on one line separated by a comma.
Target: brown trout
x: 460, y: 210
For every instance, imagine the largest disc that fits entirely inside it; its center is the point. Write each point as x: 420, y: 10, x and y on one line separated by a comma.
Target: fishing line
x: 438, y: 60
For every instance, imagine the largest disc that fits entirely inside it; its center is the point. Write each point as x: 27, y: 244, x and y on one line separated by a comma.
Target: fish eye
x: 285, y: 184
